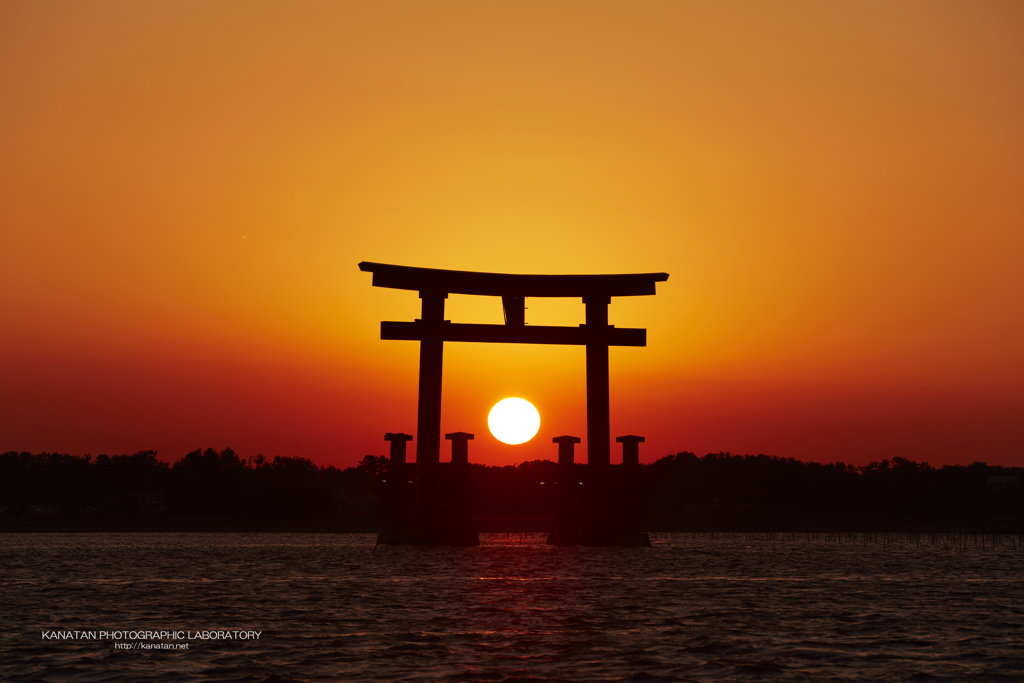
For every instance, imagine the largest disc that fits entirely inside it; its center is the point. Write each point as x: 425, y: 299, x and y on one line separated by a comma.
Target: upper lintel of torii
x: 508, y: 285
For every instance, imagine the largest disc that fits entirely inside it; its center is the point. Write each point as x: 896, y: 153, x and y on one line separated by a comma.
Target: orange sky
x: 837, y: 190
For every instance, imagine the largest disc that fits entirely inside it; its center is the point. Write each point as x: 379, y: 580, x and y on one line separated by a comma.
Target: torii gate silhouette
x: 432, y: 330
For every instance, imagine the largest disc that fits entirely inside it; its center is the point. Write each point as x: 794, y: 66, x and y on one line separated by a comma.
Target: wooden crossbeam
x: 508, y: 334
x: 510, y: 285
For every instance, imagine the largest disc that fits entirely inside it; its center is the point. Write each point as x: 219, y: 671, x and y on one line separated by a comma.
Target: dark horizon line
x: 924, y: 464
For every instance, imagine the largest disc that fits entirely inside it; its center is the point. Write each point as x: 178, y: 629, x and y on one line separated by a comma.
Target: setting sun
x: 513, y: 421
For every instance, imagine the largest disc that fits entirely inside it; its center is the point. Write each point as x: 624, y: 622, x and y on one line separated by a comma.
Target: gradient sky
x: 836, y: 189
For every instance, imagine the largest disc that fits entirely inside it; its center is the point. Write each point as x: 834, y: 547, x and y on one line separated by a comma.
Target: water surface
x: 692, y: 607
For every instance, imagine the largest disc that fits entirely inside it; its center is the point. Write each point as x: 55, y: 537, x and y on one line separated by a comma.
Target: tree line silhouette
x: 210, y: 489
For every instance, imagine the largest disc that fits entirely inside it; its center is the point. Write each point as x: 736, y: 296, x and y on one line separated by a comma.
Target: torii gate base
x: 598, y: 506
x: 597, y: 524
x: 428, y: 505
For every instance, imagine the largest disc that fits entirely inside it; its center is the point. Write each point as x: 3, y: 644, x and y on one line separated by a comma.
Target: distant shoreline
x: 718, y: 492
x: 51, y: 523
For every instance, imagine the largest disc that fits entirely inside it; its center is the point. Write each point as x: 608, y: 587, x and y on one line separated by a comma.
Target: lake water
x: 337, y: 608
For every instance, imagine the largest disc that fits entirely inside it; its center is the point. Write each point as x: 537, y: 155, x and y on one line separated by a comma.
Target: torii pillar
x: 599, y: 449
x: 428, y: 415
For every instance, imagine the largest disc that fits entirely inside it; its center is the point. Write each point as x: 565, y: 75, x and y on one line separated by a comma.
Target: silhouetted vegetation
x: 141, y: 491
x: 209, y: 489
x: 725, y: 491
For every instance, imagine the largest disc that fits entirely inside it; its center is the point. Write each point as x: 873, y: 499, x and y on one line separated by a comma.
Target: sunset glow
x: 186, y: 189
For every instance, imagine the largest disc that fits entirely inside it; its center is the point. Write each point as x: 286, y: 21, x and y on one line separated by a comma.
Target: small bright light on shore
x: 513, y: 421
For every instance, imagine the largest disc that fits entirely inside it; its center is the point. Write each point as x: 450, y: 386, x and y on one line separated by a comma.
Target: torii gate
x: 432, y: 330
